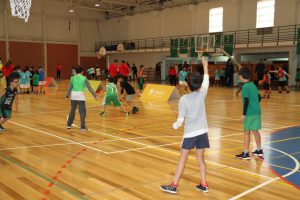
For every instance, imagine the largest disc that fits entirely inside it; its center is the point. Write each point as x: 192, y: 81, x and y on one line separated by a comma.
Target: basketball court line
x: 115, y: 140
x: 50, y: 112
x: 161, y: 149
x: 59, y: 137
x: 273, y: 179
x: 177, y: 154
x: 40, y: 175
x: 234, y: 119
x: 286, y: 168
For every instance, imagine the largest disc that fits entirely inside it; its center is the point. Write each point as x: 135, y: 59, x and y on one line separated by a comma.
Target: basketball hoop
x: 205, y: 45
x: 120, y: 48
x: 101, y: 52
x: 20, y: 9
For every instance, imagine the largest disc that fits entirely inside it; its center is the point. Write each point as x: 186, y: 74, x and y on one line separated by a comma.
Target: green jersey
x: 249, y: 90
x: 298, y: 76
x: 36, y: 78
x: 78, y: 83
x: 111, y: 89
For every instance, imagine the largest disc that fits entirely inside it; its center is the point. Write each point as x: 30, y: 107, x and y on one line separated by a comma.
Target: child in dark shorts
x: 192, y: 111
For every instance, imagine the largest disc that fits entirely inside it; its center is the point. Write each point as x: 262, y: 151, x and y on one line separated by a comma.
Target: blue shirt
x: 182, y: 75
x: 24, y: 78
x: 41, y: 74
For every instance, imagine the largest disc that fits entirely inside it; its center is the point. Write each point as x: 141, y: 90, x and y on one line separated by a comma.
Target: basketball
x: 260, y: 82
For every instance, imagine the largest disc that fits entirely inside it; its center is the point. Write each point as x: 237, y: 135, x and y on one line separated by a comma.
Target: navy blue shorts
x: 200, y: 142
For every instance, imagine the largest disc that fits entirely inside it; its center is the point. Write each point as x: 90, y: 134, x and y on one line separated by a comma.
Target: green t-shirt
x: 250, y: 91
x: 298, y: 76
x: 36, y: 78
x: 111, y: 89
x: 182, y: 75
x: 78, y: 83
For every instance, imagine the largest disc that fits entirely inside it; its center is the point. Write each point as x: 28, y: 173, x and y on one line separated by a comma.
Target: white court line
x: 46, y: 145
x: 151, y: 147
x: 50, y: 112
x: 56, y: 136
x: 235, y: 119
x: 176, y: 153
x: 273, y: 179
x: 169, y: 144
x: 115, y: 140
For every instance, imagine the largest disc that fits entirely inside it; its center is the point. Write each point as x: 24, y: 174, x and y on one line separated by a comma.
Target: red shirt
x: 124, y: 70
x: 266, y: 78
x: 113, y: 70
x: 58, y: 67
x: 7, y: 70
x: 172, y: 72
x: 280, y: 73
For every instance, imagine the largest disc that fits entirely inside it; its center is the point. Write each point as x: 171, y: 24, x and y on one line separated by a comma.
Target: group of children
x: 30, y: 80
x: 192, y: 112
x: 115, y: 96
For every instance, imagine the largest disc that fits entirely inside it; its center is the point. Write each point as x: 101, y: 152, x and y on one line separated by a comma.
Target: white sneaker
x: 68, y: 127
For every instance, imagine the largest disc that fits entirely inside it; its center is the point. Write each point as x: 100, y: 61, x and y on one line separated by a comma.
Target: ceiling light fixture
x: 97, y: 4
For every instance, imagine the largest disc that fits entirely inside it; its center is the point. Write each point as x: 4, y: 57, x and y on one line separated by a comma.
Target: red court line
x: 276, y: 173
x: 62, y: 169
x: 284, y: 179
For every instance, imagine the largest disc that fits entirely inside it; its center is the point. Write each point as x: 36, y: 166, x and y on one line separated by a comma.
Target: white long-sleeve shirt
x: 192, y: 111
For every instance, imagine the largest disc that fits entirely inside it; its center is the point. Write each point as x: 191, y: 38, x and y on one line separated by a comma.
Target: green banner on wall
x: 228, y: 44
x: 193, y: 53
x: 298, y: 42
x: 174, y: 47
x: 183, y: 47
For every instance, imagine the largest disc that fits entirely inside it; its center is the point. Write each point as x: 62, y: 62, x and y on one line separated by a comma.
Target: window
x: 265, y: 13
x: 216, y: 20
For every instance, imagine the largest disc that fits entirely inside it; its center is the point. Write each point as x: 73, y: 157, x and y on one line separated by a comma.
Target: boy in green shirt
x: 111, y: 97
x: 35, y: 82
x: 76, y: 91
x: 298, y: 79
x: 251, y: 114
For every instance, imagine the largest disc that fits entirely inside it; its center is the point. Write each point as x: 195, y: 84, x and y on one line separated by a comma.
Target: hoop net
x: 20, y: 9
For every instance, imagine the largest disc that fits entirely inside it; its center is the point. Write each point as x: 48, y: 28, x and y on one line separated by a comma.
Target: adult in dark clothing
x: 158, y: 71
x: 259, y: 70
x: 134, y: 72
x: 229, y: 71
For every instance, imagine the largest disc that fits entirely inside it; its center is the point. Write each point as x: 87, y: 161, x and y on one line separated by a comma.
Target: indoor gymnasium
x: 149, y: 99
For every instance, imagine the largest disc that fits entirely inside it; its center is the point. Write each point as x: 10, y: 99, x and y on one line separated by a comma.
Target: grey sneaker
x: 83, y: 130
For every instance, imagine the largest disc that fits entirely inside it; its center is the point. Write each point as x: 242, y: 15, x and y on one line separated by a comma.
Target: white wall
x: 192, y: 19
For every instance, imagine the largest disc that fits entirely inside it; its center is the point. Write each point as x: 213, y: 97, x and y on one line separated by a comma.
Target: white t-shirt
x: 98, y: 71
x: 192, y: 110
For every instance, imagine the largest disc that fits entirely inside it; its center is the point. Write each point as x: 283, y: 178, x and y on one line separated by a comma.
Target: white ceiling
x: 117, y: 8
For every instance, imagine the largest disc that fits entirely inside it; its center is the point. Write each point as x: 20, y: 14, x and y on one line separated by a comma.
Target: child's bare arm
x: 205, y: 65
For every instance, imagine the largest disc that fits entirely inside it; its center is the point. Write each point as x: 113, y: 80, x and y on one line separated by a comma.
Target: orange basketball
x: 260, y: 82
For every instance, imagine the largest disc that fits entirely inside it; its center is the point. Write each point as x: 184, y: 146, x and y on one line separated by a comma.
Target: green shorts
x: 5, y: 114
x: 252, y: 122
x: 140, y: 83
x: 111, y: 99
